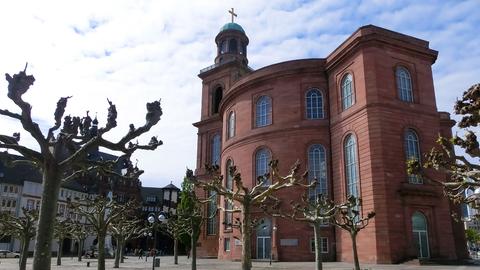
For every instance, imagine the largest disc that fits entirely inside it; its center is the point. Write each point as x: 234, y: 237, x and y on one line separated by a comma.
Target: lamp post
x: 271, y: 243
x: 146, y: 235
x: 151, y: 219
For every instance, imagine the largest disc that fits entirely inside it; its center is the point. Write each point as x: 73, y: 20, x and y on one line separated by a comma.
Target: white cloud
x: 138, y: 51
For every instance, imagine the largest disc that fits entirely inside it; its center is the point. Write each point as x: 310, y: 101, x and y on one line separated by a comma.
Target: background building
x: 352, y: 119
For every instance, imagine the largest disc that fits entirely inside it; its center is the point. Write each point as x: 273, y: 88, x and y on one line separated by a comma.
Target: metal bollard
x: 88, y: 264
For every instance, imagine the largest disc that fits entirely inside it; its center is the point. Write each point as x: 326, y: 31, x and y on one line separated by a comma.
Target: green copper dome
x: 232, y: 26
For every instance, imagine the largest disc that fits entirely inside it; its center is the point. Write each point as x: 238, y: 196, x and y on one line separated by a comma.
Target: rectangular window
x: 11, y: 189
x: 5, y: 189
x: 228, y: 215
x: 323, y: 245
x: 226, y: 244
x: 30, y: 204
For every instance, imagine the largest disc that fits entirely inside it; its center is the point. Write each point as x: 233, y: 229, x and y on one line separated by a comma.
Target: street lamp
x: 147, y: 235
x: 151, y: 219
x: 271, y: 243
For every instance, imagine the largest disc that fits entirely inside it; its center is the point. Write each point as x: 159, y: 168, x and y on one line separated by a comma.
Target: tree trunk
x: 194, y: 248
x: 175, y: 250
x: 80, y: 249
x: 355, y: 255
x: 59, y: 251
x: 24, y: 253
x: 122, y: 250
x: 318, y: 247
x: 48, y: 211
x: 101, y: 251
x: 246, y: 237
x: 118, y: 253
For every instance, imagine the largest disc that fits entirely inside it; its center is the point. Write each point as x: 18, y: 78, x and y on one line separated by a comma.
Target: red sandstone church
x: 352, y: 119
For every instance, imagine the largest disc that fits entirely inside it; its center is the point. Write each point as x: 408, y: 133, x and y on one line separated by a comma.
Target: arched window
x: 347, y: 91
x: 317, y: 169
x: 211, y: 210
x: 216, y: 146
x: 228, y: 204
x: 314, y: 104
x: 351, y: 175
x: 404, y: 84
x: 232, y: 44
x: 420, y: 234
x: 262, y: 159
x: 263, y: 111
x: 412, y: 152
x: 216, y: 98
x: 231, y: 125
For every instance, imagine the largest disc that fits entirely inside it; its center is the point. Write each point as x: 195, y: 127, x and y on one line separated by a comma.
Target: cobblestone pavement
x: 212, y: 264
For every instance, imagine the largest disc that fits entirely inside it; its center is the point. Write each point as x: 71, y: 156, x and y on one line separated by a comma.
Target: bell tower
x: 230, y: 65
x: 231, y: 43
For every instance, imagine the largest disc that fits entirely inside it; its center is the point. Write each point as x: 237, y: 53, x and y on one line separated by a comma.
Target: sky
x: 133, y: 52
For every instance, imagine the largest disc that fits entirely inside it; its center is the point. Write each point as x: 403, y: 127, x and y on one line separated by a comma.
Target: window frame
x: 231, y: 125
x: 404, y: 84
x: 349, y: 97
x: 266, y: 160
x: 407, y: 144
x: 216, y: 148
x: 320, y: 110
x: 322, y: 241
x: 322, y: 169
x: 263, y: 111
x: 351, y: 166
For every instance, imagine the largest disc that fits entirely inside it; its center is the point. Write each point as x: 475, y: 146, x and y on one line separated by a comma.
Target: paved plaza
x: 213, y: 264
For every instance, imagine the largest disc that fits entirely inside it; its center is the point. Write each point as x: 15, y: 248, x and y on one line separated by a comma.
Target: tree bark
x: 175, y: 250
x: 318, y: 247
x: 246, y: 239
x: 59, y: 251
x: 118, y: 253
x: 80, y: 249
x: 355, y: 255
x: 101, y: 251
x: 24, y: 253
x: 194, y: 248
x: 122, y: 250
x: 48, y: 211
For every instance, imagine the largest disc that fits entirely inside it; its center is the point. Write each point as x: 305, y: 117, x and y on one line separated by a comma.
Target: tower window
x: 216, y: 98
x: 232, y: 44
x: 404, y: 84
x: 216, y: 141
x: 263, y: 111
x: 314, y: 104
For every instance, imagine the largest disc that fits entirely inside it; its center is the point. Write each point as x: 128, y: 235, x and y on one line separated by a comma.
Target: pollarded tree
x: 317, y: 211
x: 79, y: 231
x: 124, y: 228
x: 463, y: 182
x: 100, y: 213
x: 62, y: 154
x: 61, y: 230
x: 175, y: 227
x: 350, y: 219
x: 190, y: 213
x: 22, y: 228
x: 245, y: 199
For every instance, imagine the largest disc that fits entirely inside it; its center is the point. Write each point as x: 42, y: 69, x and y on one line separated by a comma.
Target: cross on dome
x: 233, y: 13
